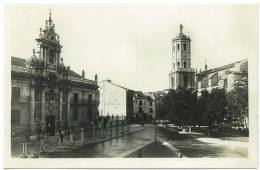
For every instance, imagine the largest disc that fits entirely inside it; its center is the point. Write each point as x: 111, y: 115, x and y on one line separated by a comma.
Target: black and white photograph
x: 130, y: 82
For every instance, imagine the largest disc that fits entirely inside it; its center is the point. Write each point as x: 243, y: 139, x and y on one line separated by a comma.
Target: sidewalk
x: 51, y: 143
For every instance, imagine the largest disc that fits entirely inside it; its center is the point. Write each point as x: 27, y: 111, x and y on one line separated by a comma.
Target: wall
x: 112, y: 99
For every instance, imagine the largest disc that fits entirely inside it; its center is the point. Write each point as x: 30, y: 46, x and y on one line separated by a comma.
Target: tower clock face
x: 51, y: 57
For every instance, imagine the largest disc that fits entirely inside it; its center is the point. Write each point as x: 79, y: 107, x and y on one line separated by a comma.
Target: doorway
x: 50, y: 125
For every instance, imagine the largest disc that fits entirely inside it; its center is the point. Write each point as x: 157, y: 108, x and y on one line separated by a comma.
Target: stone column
x: 32, y: 122
x: 32, y: 104
x: 60, y: 105
x: 68, y: 107
x: 43, y: 109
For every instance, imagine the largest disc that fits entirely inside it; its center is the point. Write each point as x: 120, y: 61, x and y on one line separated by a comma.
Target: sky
x: 131, y: 43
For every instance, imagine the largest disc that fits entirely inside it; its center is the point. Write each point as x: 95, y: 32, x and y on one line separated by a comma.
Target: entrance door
x: 50, y: 125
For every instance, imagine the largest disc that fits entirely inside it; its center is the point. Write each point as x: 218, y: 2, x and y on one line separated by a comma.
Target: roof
x: 74, y: 74
x: 19, y: 62
x: 149, y: 98
x: 220, y: 68
x: 109, y: 81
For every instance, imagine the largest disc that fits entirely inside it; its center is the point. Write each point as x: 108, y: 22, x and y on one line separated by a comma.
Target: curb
x: 172, y: 148
x: 89, y: 143
x: 125, y: 154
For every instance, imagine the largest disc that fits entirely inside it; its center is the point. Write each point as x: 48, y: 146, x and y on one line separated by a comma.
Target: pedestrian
x: 61, y: 136
x: 68, y: 134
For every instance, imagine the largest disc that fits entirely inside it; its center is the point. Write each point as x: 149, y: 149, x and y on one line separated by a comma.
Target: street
x: 189, y: 146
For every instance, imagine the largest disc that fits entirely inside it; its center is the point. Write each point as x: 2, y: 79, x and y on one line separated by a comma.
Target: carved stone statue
x: 83, y: 74
x: 181, y: 28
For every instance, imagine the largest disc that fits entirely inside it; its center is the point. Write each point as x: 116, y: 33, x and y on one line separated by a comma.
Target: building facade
x: 144, y: 106
x: 112, y: 99
x: 224, y: 77
x: 181, y: 75
x: 47, y: 95
x: 115, y: 100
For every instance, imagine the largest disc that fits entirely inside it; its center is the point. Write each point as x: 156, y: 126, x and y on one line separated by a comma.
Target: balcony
x: 185, y: 69
x: 20, y: 69
x: 21, y: 99
x: 84, y: 102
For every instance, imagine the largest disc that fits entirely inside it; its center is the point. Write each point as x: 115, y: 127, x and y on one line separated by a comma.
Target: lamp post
x: 93, y: 130
x: 155, y: 130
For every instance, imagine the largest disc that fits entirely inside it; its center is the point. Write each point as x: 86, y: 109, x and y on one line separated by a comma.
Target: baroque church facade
x: 47, y: 95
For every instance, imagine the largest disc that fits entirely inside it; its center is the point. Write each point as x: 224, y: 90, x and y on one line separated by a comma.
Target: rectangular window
x: 140, y: 103
x: 89, y: 98
x: 178, y: 46
x: 65, y: 97
x: 47, y: 96
x: 151, y: 103
x: 51, y: 95
x: 76, y: 97
x: 90, y: 113
x: 15, y: 93
x: 15, y: 117
x: 37, y: 94
x: 184, y: 47
x: 75, y: 113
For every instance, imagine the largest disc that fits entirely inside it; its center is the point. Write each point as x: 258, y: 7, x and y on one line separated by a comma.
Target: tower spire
x: 50, y: 15
x: 206, y: 66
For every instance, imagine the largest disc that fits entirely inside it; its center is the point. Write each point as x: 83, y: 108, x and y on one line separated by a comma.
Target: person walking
x: 61, y: 136
x: 68, y: 134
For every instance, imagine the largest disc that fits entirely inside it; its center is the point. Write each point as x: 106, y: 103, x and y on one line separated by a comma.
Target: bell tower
x: 49, y: 46
x: 181, y: 75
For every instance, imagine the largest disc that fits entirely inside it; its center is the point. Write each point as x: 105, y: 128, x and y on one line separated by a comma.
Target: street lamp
x: 155, y: 130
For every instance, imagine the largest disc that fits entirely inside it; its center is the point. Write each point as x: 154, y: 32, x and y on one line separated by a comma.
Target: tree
x: 203, y: 104
x: 181, y: 106
x: 238, y: 104
x: 216, y: 107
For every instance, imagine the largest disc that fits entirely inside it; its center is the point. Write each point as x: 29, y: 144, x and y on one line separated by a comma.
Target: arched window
x: 184, y: 64
x: 140, y: 110
x: 51, y: 95
x: 51, y: 56
x: 89, y: 98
